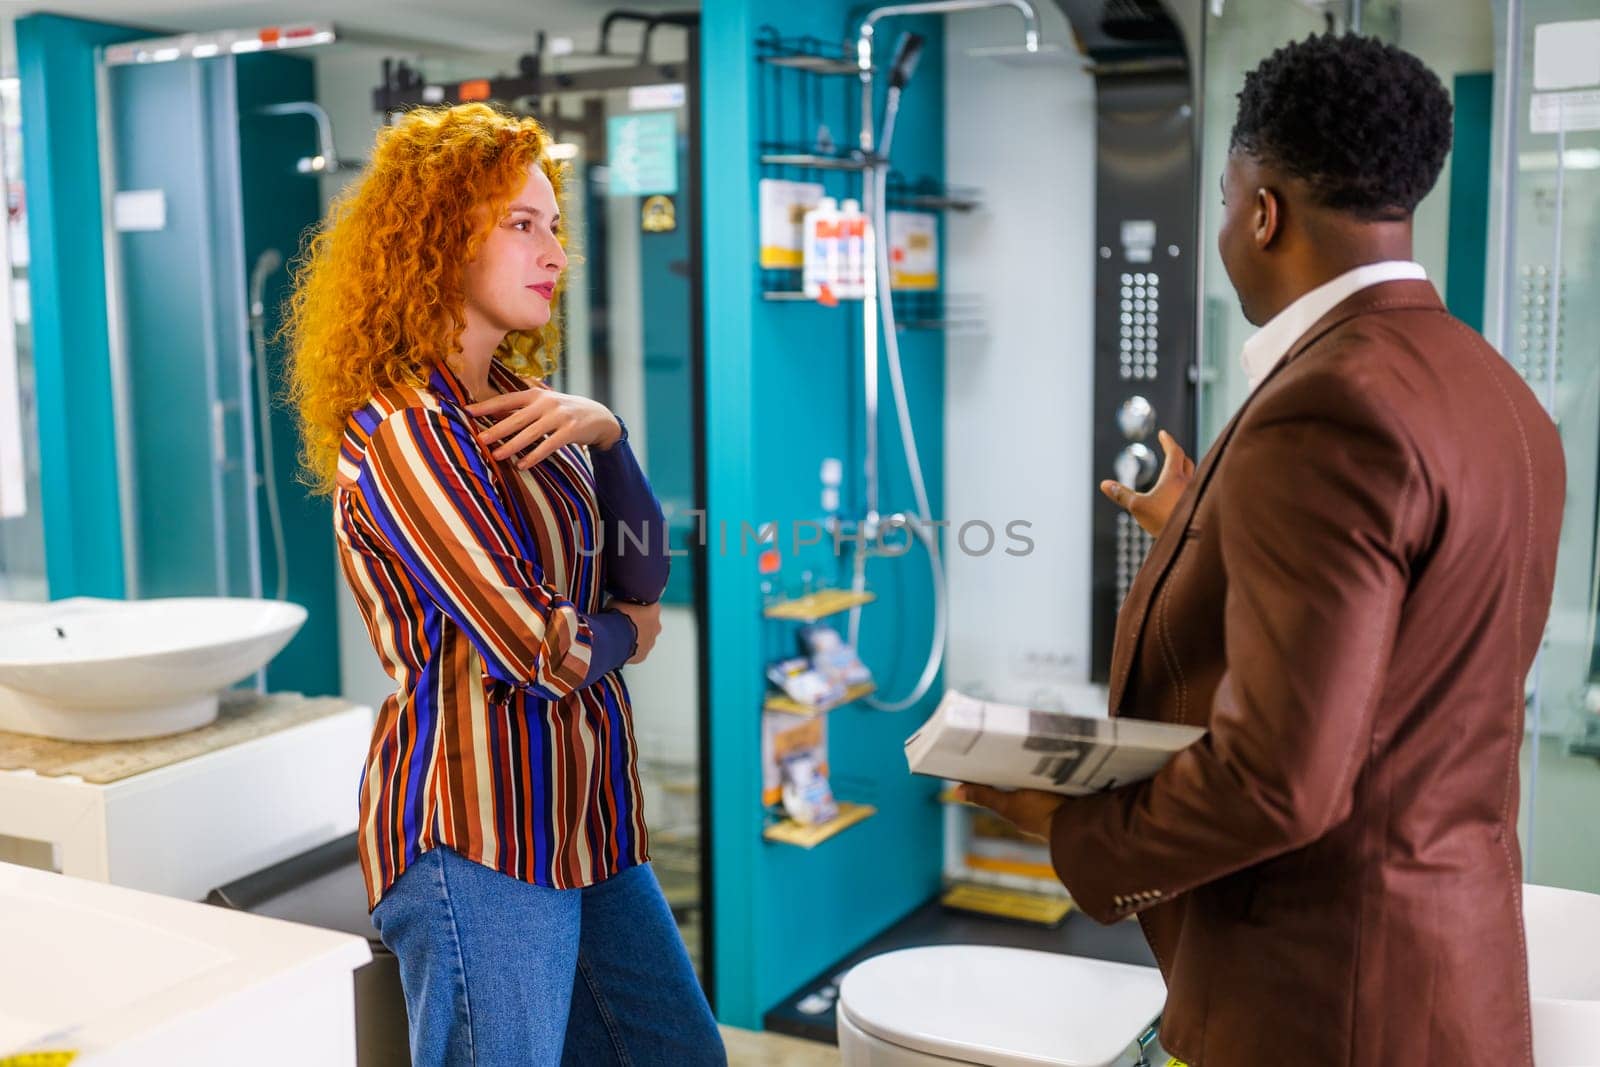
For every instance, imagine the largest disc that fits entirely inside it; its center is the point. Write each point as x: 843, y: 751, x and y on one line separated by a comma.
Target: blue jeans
x: 498, y: 971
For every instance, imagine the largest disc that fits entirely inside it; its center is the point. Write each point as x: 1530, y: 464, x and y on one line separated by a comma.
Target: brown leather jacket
x: 1349, y: 596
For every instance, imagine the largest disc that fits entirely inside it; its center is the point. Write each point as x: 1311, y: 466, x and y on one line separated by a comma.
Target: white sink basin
x: 118, y: 670
x: 126, y: 978
x: 1563, y: 975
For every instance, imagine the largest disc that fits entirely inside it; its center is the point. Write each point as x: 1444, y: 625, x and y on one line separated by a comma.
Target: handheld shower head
x: 907, y: 52
x: 267, y: 262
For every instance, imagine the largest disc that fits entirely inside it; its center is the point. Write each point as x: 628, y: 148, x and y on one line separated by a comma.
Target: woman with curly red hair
x: 481, y: 520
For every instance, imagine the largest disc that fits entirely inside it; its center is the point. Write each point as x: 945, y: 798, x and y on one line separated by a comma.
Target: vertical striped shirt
x: 509, y: 736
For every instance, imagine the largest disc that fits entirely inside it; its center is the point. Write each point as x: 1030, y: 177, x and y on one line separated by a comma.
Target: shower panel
x: 1146, y: 274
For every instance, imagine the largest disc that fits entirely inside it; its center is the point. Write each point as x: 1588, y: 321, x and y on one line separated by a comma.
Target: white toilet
x: 1563, y: 978
x: 972, y: 1004
x: 1005, y: 1007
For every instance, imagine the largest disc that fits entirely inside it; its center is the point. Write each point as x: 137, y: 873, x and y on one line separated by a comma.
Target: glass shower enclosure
x: 1546, y: 320
x: 205, y: 199
x: 1511, y: 238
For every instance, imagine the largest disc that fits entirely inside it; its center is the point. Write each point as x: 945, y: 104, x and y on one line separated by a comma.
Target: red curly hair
x: 378, y: 294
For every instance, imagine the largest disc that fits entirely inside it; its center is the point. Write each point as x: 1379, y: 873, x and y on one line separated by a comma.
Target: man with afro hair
x: 1348, y: 594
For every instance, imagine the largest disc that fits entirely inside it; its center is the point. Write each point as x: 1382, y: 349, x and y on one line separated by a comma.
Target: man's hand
x: 646, y: 620
x: 560, y: 418
x: 1152, y: 510
x: 1029, y: 810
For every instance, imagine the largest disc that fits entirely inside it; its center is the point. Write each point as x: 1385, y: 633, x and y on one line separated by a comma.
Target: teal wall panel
x: 783, y: 393
x: 77, y: 436
x: 1469, y: 197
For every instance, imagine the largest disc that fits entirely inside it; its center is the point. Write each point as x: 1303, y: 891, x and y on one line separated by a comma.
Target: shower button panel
x: 1133, y: 545
x: 1533, y: 348
x: 1140, y: 305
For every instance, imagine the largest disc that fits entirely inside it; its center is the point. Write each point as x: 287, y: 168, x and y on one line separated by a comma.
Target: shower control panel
x: 1139, y: 326
x: 1136, y: 466
x: 1137, y: 419
x: 1145, y: 315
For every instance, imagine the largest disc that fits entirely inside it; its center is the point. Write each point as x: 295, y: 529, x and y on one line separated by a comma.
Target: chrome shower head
x: 907, y: 52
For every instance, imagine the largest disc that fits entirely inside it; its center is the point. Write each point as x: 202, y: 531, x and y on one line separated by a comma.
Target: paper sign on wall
x: 136, y: 210
x: 913, y: 250
x: 656, y: 97
x: 642, y: 154
x: 1566, y: 55
x: 1571, y: 111
x: 783, y: 208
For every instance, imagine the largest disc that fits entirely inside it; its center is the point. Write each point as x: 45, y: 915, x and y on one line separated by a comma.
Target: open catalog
x: 986, y: 743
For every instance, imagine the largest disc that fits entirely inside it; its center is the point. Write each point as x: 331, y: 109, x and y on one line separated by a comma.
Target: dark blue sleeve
x: 635, y: 551
x: 614, y: 639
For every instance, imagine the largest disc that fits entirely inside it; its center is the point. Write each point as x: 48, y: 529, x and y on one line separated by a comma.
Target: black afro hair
x: 1365, y: 124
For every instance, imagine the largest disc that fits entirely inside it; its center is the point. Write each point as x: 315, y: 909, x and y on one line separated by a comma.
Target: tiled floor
x: 746, y: 1048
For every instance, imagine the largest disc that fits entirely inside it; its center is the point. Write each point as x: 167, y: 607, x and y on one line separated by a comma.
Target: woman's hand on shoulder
x: 559, y: 419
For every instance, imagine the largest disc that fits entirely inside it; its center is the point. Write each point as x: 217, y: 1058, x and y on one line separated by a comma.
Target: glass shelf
x: 810, y: 54
x: 815, y: 161
x: 794, y: 296
x: 814, y: 606
x: 929, y: 194
x: 779, y: 702
x: 934, y: 203
x: 815, y: 64
x: 789, y: 832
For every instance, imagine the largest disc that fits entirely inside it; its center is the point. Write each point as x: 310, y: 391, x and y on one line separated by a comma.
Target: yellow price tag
x: 38, y: 1059
x: 1173, y: 1061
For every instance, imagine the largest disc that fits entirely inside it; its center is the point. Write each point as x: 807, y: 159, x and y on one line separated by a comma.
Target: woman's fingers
x: 507, y: 426
x: 547, y: 447
x: 527, y: 437
x: 524, y: 408
x: 502, y: 402
x: 1117, y: 493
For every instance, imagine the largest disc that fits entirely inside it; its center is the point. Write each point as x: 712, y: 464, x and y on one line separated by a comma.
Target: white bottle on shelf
x: 853, y: 252
x: 820, y: 273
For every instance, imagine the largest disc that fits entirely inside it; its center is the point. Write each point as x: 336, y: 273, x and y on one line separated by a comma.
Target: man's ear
x: 1268, y: 217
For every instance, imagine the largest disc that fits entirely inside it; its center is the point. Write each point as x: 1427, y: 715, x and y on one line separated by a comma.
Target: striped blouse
x: 509, y: 737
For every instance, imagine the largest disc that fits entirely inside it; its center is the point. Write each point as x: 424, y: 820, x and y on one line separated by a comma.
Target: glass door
x: 1548, y: 325
x: 1243, y: 34
x: 1456, y: 39
x: 1544, y: 206
x: 179, y: 327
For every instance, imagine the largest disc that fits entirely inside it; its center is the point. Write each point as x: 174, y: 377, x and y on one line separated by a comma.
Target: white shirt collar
x: 1269, y: 344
